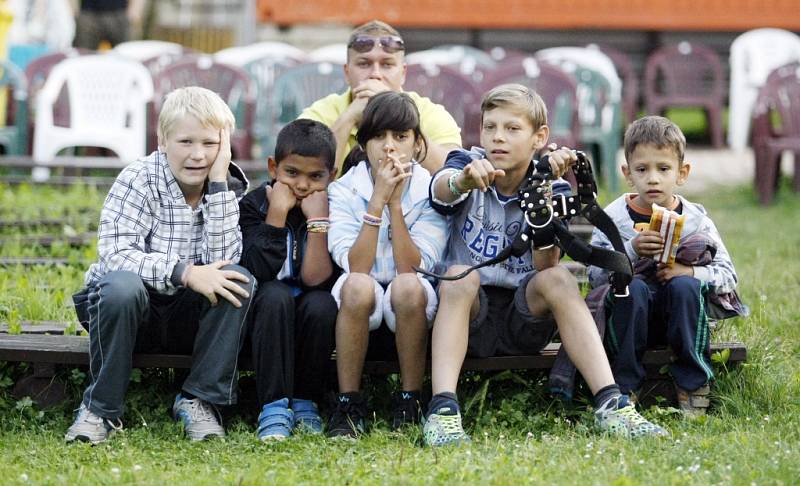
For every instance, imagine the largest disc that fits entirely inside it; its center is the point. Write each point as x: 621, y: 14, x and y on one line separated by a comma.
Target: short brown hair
x: 516, y: 96
x: 658, y: 131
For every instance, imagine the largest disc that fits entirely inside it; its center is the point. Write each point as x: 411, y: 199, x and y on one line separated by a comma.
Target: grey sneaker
x: 200, y: 418
x: 619, y: 417
x: 444, y: 428
x: 92, y: 428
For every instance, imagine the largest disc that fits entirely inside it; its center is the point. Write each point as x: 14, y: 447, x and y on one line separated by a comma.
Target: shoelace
x: 450, y: 424
x: 92, y: 418
x: 199, y: 411
x: 636, y: 419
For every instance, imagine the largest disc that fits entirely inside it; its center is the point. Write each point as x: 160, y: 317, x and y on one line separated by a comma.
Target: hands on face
x: 315, y: 205
x: 281, y: 197
x: 219, y: 169
x: 362, y: 94
x: 211, y: 281
x: 391, y: 172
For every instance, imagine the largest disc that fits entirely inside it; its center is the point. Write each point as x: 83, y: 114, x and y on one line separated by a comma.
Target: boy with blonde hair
x: 513, y: 307
x: 667, y: 303
x: 166, y: 278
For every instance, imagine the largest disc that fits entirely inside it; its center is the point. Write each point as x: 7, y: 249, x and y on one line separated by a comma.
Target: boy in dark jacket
x: 285, y: 245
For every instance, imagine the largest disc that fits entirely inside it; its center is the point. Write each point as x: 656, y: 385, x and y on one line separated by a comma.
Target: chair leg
x: 764, y: 174
x: 714, y: 117
x: 796, y: 178
x: 610, y: 165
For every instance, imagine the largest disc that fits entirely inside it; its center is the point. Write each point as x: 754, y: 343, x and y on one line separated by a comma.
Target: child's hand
x: 219, y: 169
x: 665, y: 273
x: 648, y: 243
x: 478, y: 174
x: 281, y: 197
x: 389, y: 175
x: 561, y: 159
x: 212, y: 281
x: 402, y: 163
x: 315, y: 205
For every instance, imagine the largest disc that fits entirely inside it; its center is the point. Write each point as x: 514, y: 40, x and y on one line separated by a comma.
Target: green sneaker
x: 444, y: 428
x: 619, y: 417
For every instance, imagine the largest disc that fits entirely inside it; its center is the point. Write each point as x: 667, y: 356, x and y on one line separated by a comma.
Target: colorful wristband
x: 372, y: 220
x: 451, y: 184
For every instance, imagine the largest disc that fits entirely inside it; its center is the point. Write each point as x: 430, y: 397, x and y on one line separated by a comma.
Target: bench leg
x: 42, y: 386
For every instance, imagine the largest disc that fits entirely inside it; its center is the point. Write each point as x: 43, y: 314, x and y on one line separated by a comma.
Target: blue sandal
x: 306, y: 416
x: 275, y: 420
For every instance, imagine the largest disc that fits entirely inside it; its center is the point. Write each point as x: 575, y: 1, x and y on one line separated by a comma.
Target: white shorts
x: 383, y: 302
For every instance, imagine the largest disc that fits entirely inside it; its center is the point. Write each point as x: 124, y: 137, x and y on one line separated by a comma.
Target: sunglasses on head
x: 365, y: 43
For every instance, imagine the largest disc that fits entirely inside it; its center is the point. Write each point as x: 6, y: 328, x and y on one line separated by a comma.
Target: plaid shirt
x: 146, y: 226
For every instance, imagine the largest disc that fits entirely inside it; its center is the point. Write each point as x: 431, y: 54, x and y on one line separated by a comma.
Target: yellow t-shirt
x: 436, y: 123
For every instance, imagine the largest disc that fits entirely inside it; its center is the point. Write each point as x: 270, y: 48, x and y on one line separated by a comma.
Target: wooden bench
x: 46, y: 351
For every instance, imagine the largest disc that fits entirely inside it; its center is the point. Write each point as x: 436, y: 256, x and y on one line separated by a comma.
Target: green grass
x: 751, y: 436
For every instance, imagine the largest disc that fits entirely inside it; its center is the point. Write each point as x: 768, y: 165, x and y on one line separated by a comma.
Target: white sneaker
x: 200, y: 418
x: 89, y: 427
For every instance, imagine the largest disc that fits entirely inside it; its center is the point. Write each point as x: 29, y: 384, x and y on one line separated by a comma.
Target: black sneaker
x: 347, y: 419
x: 406, y: 409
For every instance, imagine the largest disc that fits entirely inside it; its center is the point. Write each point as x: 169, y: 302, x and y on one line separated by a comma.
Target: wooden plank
x: 17, y: 179
x: 31, y: 261
x: 105, y: 163
x: 47, y: 241
x: 41, y: 327
x: 44, y: 223
x: 74, y: 350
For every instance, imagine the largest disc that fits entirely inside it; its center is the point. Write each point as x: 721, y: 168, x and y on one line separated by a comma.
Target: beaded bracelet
x: 451, y: 184
x: 324, y: 219
x: 372, y: 220
x: 318, y: 227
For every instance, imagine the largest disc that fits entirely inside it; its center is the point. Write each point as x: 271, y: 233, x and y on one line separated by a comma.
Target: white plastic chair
x: 143, y: 50
x: 587, y: 57
x: 332, y: 53
x: 600, y: 116
x: 754, y: 55
x: 107, y: 100
x: 242, y: 55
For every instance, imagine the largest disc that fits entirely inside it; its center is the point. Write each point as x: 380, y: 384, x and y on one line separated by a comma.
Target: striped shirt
x: 146, y: 226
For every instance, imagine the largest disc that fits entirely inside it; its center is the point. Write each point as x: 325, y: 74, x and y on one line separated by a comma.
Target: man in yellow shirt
x: 376, y: 63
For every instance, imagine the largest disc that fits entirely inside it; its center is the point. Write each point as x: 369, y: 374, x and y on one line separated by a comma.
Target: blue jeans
x: 125, y: 316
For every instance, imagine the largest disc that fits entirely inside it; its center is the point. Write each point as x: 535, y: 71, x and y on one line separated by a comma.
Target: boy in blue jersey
x: 513, y: 307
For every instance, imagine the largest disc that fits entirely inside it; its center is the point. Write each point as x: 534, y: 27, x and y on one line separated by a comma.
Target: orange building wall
x: 723, y: 15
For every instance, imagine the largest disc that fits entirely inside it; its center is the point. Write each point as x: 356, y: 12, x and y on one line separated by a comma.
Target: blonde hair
x: 518, y: 97
x: 655, y: 130
x: 201, y: 103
